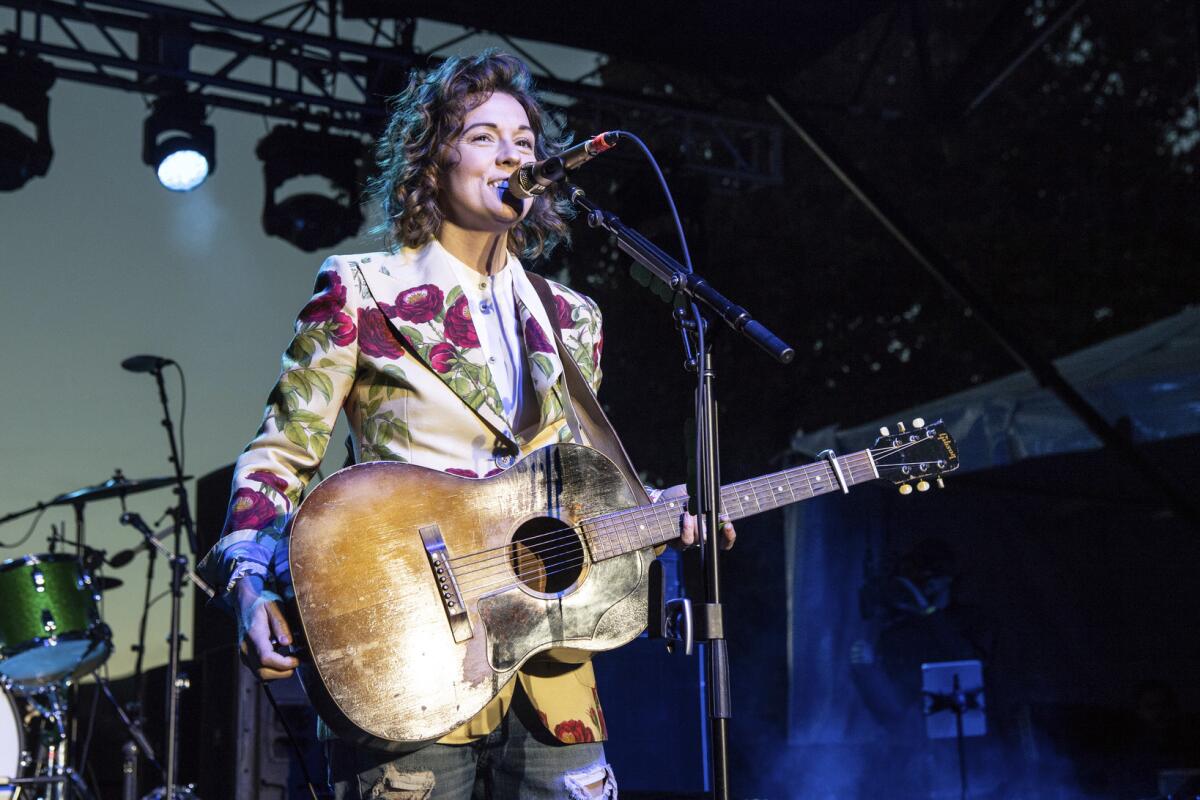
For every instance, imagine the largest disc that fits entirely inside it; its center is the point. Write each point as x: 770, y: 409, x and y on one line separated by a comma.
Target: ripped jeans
x: 520, y: 759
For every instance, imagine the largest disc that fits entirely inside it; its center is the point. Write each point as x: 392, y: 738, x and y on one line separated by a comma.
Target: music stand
x: 952, y: 692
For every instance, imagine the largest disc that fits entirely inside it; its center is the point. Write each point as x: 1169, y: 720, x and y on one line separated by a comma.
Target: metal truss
x: 337, y: 79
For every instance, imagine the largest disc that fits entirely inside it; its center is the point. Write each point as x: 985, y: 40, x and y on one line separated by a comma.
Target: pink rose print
x: 563, y: 309
x: 463, y: 473
x: 459, y: 328
x: 573, y: 731
x: 596, y: 351
x: 327, y: 303
x: 344, y: 331
x: 419, y: 304
x: 441, y: 357
x: 269, y: 478
x: 374, y: 336
x: 535, y: 339
x: 250, y: 509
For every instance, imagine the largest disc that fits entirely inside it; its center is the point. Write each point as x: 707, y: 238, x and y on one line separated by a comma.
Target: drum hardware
x: 51, y: 768
x: 105, y: 584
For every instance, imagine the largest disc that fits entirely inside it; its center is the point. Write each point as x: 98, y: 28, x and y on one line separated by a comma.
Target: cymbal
x: 105, y: 583
x: 113, y: 487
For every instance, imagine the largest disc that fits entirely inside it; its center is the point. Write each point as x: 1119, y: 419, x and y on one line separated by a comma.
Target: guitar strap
x: 582, y: 409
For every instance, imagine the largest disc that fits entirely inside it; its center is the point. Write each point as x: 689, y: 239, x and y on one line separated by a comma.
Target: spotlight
x: 177, y: 143
x: 308, y: 220
x: 24, y: 82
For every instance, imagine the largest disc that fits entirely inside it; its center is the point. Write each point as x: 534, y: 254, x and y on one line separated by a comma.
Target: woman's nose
x: 508, y: 156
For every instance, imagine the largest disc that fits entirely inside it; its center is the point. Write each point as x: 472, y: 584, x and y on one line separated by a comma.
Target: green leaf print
x: 307, y: 418
x: 413, y: 335
x: 295, y: 433
x: 396, y: 374
x: 543, y: 363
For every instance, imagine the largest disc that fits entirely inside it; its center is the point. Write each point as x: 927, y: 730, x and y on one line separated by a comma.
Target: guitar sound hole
x: 546, y: 554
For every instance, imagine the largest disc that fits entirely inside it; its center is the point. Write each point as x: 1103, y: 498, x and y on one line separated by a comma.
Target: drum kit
x: 52, y: 635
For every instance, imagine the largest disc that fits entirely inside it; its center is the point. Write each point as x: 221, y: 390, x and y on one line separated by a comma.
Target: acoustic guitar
x: 420, y: 593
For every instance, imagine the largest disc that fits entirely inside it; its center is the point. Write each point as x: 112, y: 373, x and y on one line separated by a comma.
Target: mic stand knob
x: 678, y: 628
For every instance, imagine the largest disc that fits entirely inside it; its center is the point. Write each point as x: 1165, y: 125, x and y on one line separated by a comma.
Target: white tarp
x: 1148, y: 380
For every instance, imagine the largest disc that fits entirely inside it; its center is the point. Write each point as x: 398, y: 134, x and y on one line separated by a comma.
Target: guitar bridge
x: 443, y: 575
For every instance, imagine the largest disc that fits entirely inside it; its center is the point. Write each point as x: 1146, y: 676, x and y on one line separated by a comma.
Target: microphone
x: 531, y: 180
x: 134, y: 520
x: 145, y: 363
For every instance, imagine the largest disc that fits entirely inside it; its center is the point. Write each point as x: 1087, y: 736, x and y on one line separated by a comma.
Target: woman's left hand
x: 687, y: 522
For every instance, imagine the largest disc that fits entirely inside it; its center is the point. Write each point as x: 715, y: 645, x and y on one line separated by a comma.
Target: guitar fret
x: 625, y: 531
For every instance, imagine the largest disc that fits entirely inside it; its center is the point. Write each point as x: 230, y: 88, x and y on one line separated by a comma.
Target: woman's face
x: 496, y: 138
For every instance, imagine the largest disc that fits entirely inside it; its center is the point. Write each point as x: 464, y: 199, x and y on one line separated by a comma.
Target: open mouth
x: 500, y: 185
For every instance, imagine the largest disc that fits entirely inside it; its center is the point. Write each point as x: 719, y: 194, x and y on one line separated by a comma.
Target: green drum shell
x: 66, y: 593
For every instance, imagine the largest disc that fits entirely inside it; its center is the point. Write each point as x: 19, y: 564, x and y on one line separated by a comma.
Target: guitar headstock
x: 910, y: 457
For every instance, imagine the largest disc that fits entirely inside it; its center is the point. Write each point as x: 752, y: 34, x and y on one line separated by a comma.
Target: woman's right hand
x: 261, y: 626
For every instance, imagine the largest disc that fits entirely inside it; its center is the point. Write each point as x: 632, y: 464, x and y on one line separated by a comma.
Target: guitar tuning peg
x: 941, y: 484
x: 922, y: 486
x: 900, y: 427
x: 884, y: 431
x: 905, y: 488
x: 919, y: 422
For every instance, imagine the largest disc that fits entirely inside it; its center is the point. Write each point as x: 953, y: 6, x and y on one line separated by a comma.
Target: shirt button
x: 504, y: 462
x: 483, y: 285
x: 492, y: 359
x: 485, y: 306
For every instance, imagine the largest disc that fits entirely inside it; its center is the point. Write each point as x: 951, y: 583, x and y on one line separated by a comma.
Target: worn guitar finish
x: 420, y: 594
x: 375, y: 620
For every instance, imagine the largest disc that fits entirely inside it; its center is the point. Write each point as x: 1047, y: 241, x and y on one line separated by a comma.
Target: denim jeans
x: 518, y: 760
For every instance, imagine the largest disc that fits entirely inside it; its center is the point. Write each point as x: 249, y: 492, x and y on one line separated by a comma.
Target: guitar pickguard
x: 518, y: 623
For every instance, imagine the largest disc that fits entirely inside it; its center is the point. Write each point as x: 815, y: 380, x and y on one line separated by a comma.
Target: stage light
x: 177, y: 143
x: 24, y: 83
x: 309, y: 220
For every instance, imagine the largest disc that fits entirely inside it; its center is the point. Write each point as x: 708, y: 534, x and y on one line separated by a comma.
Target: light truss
x: 336, y: 80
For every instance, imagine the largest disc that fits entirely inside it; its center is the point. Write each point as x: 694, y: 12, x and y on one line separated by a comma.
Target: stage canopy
x: 1146, y: 382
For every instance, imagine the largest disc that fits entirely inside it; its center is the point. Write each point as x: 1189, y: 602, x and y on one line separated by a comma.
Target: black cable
x: 29, y: 532
x: 662, y: 182
x: 182, y: 417
x: 287, y: 729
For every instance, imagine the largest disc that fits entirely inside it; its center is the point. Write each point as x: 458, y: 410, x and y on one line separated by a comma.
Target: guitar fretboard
x: 622, y: 532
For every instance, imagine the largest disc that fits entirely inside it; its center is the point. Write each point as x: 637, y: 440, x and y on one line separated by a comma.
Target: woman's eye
x: 526, y: 143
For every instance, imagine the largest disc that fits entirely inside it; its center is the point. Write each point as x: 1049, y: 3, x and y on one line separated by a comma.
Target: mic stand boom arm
x: 675, y: 275
x: 707, y: 491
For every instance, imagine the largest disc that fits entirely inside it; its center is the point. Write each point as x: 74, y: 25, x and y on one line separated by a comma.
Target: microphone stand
x: 708, y: 498
x: 181, y: 515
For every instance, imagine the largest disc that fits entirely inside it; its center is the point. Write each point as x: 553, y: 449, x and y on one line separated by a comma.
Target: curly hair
x: 412, y: 157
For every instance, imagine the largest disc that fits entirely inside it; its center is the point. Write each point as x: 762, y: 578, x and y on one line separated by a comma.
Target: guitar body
x: 397, y: 667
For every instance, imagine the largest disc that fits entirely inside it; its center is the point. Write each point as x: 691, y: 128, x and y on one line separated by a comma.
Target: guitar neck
x: 623, y: 532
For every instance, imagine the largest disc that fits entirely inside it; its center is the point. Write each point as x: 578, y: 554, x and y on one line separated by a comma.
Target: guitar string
x: 876, y: 454
x: 852, y: 461
x: 499, y: 565
x: 631, y: 515
x: 560, y: 564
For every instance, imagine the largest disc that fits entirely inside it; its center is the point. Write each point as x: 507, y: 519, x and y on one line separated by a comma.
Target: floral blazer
x: 427, y: 399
